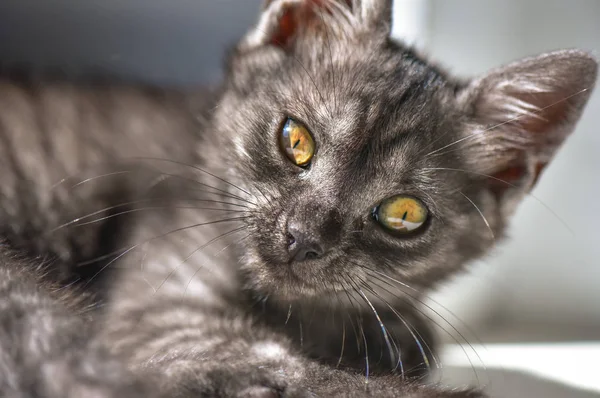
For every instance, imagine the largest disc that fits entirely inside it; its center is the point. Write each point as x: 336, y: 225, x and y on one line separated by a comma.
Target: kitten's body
x: 143, y: 326
x: 179, y: 201
x: 126, y: 122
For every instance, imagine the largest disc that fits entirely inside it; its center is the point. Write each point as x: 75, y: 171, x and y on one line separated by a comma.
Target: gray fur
x: 173, y: 209
x: 44, y: 348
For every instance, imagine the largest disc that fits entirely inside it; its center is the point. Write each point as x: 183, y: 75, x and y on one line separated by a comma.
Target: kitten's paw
x: 392, y: 388
x: 341, y: 384
x: 268, y: 392
x: 435, y: 392
x: 258, y: 392
x: 235, y: 382
x: 399, y: 391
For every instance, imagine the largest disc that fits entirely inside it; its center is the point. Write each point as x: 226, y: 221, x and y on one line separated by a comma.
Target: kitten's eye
x: 297, y: 142
x: 401, y: 214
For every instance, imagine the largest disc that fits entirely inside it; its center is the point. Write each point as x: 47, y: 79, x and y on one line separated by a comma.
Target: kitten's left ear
x: 527, y: 109
x: 282, y: 22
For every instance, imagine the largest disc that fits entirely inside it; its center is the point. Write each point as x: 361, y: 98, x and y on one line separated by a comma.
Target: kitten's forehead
x: 363, y: 88
x: 370, y: 111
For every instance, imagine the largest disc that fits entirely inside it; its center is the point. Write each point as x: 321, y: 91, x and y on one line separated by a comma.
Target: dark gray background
x: 165, y: 41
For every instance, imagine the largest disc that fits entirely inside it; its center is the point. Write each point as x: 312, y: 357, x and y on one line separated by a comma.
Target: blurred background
x: 540, y: 285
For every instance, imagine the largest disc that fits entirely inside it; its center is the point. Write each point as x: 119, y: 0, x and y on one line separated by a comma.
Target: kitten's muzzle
x: 312, y: 231
x: 303, y: 246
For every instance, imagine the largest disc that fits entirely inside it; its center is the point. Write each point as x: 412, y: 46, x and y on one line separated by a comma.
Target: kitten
x: 274, y: 237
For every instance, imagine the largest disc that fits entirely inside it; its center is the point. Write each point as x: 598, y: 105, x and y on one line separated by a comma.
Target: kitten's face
x: 371, y: 131
x: 352, y: 146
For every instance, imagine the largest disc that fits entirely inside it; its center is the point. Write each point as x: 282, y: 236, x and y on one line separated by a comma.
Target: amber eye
x: 401, y: 214
x: 296, y: 142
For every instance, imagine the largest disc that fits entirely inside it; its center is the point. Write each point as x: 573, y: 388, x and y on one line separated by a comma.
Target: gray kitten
x: 274, y: 237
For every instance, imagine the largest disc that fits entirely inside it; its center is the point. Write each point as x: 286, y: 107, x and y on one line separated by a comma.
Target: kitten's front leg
x: 211, y: 353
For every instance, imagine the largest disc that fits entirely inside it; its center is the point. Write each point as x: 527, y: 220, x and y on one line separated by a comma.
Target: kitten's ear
x: 527, y: 109
x: 283, y: 21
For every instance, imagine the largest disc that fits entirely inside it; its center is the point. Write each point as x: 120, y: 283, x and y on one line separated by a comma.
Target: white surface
x: 410, y: 21
x: 574, y: 364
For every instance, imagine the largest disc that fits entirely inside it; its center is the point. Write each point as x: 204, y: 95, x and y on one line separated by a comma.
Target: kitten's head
x: 366, y: 160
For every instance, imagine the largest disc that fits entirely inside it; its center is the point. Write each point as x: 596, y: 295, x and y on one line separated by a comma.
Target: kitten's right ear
x: 526, y: 110
x: 282, y: 22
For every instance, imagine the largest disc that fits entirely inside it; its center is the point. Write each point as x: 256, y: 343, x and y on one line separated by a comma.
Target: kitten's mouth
x: 280, y: 259
x: 288, y: 278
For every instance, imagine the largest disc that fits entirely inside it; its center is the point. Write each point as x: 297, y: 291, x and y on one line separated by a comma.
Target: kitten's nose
x: 302, y: 245
x: 312, y: 230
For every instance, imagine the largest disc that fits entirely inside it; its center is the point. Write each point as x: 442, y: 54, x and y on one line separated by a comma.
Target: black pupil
x: 375, y: 213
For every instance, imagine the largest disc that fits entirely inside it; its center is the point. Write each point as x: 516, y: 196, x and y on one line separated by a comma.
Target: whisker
x: 156, y: 208
x: 213, y: 240
x: 433, y: 320
x: 142, y: 266
x: 350, y: 319
x: 160, y: 173
x: 383, y: 329
x: 268, y: 201
x: 195, y: 168
x: 219, y: 191
x: 232, y: 244
x: 362, y: 333
x: 343, y: 342
x: 411, y: 329
x: 163, y: 175
x: 536, y: 112
x: 98, y: 177
x: 289, y: 314
x: 396, y: 349
x: 511, y: 185
x: 95, y: 213
x: 100, y: 258
x: 72, y: 176
x: 456, y: 317
x: 172, y: 272
x: 67, y: 286
x: 367, y: 370
x: 455, y: 339
x: 481, y: 214
x: 159, y: 237
x: 420, y: 341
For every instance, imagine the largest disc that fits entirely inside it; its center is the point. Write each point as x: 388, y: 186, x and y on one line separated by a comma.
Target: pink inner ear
x: 303, y: 15
x: 287, y: 28
x: 512, y: 176
x: 542, y: 127
x: 506, y: 179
